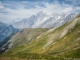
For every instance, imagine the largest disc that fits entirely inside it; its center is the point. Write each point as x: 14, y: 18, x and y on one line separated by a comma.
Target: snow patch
x: 17, y: 20
x: 58, y: 17
x: 39, y: 22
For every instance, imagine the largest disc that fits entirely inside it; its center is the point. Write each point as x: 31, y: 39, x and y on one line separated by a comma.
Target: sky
x: 14, y: 9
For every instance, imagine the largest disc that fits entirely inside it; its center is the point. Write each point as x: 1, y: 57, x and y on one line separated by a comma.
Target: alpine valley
x: 42, y: 36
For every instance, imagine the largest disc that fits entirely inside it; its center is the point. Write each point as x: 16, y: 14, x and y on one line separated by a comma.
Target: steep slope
x: 60, y: 39
x: 61, y: 42
x: 4, y: 44
x: 25, y: 36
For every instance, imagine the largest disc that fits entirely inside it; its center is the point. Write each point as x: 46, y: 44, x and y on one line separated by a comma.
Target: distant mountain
x: 57, y: 20
x: 30, y: 22
x: 3, y: 26
x: 43, y: 20
x: 58, y: 43
x: 6, y: 30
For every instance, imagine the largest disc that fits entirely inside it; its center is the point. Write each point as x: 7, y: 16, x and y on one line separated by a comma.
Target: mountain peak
x: 10, y: 26
x: 43, y: 19
x: 43, y: 13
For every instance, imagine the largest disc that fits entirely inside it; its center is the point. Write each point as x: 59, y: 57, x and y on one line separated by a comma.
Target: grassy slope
x: 67, y: 46
x: 26, y: 35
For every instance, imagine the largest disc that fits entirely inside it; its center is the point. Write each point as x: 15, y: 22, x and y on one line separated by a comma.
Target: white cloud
x: 74, y: 2
x: 78, y: 8
x: 68, y: 9
x: 1, y: 6
x: 23, y: 12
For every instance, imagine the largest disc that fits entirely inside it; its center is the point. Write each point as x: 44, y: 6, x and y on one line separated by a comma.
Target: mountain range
x: 59, y: 43
x: 42, y: 20
x: 6, y: 31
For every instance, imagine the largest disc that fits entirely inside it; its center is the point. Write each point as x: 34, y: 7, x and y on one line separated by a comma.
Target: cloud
x: 1, y: 6
x: 78, y: 8
x: 23, y: 12
x: 72, y: 2
x: 68, y: 9
x: 11, y: 10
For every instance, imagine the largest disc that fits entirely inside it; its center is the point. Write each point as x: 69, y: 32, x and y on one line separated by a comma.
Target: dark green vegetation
x: 61, y: 43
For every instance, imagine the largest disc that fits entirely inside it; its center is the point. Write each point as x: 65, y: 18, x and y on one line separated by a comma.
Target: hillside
x: 26, y: 36
x: 58, y: 43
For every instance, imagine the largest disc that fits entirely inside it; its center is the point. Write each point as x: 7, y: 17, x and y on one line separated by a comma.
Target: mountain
x: 31, y: 21
x: 58, y: 43
x: 6, y: 30
x: 4, y: 44
x: 2, y: 26
x: 57, y: 20
x: 43, y: 20
x: 25, y: 36
x: 18, y: 23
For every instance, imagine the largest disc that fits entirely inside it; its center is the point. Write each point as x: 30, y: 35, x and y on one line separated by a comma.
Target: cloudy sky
x: 13, y: 9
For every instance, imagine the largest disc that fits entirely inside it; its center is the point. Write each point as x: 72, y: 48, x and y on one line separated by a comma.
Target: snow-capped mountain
x: 57, y: 20
x: 43, y: 20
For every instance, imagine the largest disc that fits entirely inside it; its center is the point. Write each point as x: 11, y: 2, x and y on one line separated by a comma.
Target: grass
x: 65, y: 47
